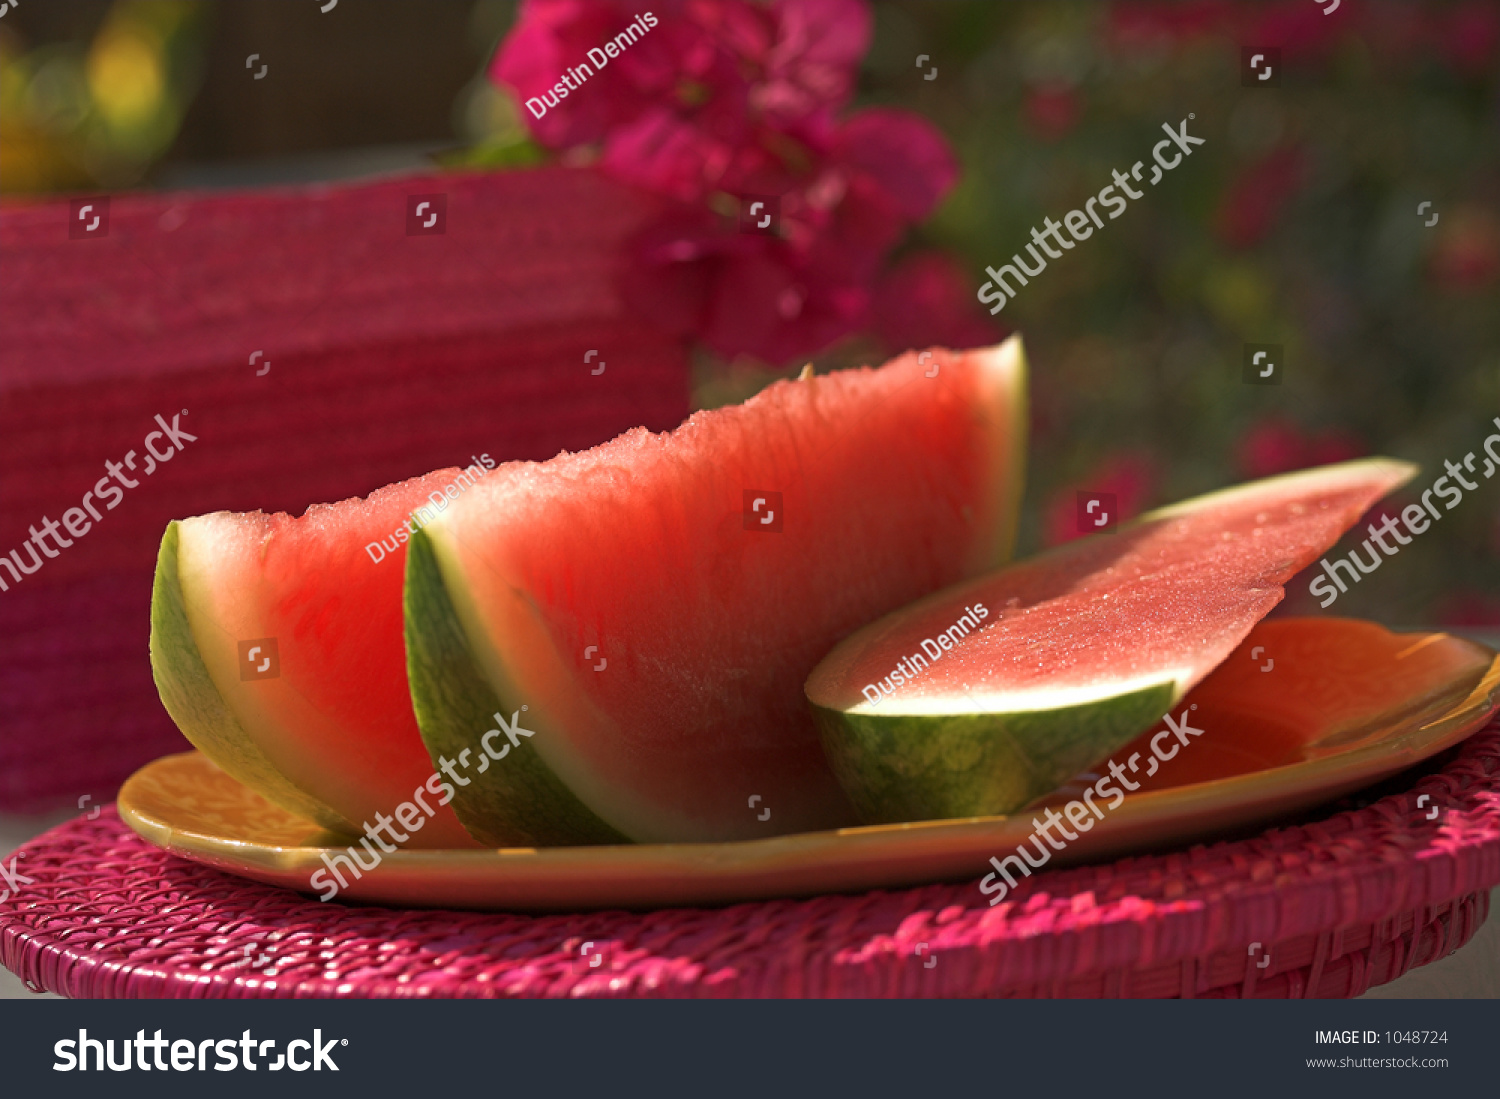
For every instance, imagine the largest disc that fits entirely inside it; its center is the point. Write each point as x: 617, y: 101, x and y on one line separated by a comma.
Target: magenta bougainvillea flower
x: 1249, y: 209
x: 1277, y: 445
x: 927, y: 299
x: 1469, y: 610
x: 719, y: 102
x: 718, y: 94
x: 1466, y: 254
x: 1051, y: 110
x: 1131, y: 478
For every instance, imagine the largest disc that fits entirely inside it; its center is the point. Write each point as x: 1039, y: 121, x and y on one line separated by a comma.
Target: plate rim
x: 812, y: 863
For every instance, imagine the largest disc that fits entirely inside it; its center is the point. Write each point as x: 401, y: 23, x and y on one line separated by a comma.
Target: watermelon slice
x: 317, y: 717
x: 1308, y: 688
x: 627, y: 630
x: 979, y: 698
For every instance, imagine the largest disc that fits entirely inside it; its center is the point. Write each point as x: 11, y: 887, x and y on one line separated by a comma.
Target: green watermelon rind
x: 1356, y: 469
x: 900, y: 767
x: 194, y: 702
x: 518, y: 801
x: 1012, y: 452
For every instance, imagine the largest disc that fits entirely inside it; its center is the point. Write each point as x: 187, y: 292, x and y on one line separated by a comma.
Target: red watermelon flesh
x: 332, y: 719
x: 658, y: 625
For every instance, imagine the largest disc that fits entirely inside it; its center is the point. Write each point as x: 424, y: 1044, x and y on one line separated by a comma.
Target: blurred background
x: 1295, y: 224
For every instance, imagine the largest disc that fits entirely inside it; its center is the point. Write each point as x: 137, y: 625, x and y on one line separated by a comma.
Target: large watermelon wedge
x: 318, y: 718
x: 978, y: 699
x: 627, y: 630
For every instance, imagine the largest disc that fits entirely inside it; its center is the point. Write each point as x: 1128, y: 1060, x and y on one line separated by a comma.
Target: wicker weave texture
x: 385, y: 356
x: 1338, y: 904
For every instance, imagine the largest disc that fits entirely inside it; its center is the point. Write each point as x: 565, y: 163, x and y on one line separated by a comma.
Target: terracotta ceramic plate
x: 1305, y: 711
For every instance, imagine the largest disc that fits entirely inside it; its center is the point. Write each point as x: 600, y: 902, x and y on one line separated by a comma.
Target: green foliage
x: 1295, y: 224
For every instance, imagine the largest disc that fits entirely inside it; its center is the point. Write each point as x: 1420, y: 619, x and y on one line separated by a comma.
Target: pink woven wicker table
x: 1328, y: 907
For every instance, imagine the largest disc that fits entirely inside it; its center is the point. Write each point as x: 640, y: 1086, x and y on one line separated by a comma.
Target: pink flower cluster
x: 1464, y: 34
x: 1277, y: 445
x: 1131, y: 478
x: 723, y: 101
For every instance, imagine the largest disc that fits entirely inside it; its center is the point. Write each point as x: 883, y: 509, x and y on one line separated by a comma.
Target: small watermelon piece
x: 650, y: 625
x: 1306, y: 688
x: 326, y: 730
x: 1018, y: 680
